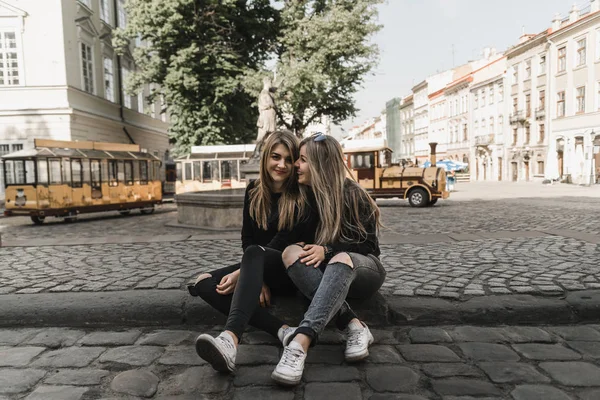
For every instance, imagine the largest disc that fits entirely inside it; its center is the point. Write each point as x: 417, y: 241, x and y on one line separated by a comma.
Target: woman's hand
x: 265, y: 296
x: 227, y: 284
x: 312, y: 255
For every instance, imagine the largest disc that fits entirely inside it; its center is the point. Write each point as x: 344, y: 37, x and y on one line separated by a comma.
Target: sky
x: 418, y: 37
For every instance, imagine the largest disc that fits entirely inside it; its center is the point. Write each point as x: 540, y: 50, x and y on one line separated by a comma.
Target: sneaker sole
x: 207, y: 349
x: 284, y: 380
x: 360, y: 356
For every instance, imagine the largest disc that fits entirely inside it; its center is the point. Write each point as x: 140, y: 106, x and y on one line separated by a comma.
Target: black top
x: 252, y: 234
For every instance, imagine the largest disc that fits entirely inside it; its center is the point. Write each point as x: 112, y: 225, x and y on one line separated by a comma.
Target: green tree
x: 198, y: 53
x: 324, y: 53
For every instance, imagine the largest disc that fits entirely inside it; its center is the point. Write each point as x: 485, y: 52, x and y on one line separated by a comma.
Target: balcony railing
x: 516, y: 117
x: 540, y: 113
x: 484, y: 140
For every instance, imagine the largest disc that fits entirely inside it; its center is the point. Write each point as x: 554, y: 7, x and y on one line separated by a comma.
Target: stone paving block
x: 488, y: 352
x: 526, y: 334
x: 392, y: 378
x: 537, y: 392
x: 477, y: 334
x: 56, y: 337
x: 259, y: 337
x: 580, y: 333
x: 386, y: 336
x: 132, y: 355
x: 588, y: 349
x: 165, y: 338
x: 331, y: 373
x: 464, y: 387
x: 18, y: 356
x: 259, y: 375
x: 573, y: 373
x: 258, y: 354
x: 77, y: 377
x: 195, y: 380
x: 328, y: 391
x: 45, y: 392
x: 325, y: 354
x: 69, y: 357
x: 445, y: 370
x: 13, y: 337
x: 181, y: 355
x: 593, y: 394
x: 505, y: 372
x: 545, y: 352
x: 427, y: 353
x: 263, y: 394
x: 19, y: 380
x: 140, y: 383
x: 397, y: 396
x: 429, y: 335
x: 110, y: 338
x: 383, y: 354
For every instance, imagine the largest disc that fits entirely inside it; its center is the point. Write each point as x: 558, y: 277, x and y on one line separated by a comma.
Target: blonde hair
x: 260, y: 195
x: 340, y: 200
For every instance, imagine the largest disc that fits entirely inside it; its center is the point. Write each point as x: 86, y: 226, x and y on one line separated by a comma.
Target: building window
x: 527, y: 69
x: 527, y: 134
x: 562, y: 59
x: 476, y: 128
x: 515, y: 74
x: 483, y: 97
x: 126, y: 97
x: 560, y: 104
x: 528, y: 105
x: 491, y: 125
x: 465, y: 133
x: 515, y: 133
x: 581, y: 52
x: 540, y: 167
x: 491, y: 94
x: 542, y: 65
x: 105, y: 11
x: 17, y: 147
x: 542, y: 100
x: 9, y: 59
x: 500, y: 124
x: 121, y: 14
x: 87, y: 68
x: 598, y: 95
x: 109, y: 79
x: 580, y: 99
x: 475, y: 100
x: 515, y: 105
x: 542, y: 133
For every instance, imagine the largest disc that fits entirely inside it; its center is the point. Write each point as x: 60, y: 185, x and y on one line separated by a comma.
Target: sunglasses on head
x: 319, y: 137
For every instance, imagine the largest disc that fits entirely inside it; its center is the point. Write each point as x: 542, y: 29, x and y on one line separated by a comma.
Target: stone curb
x: 176, y: 307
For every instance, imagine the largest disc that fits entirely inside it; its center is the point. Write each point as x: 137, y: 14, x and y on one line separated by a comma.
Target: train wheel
x: 148, y: 210
x: 432, y: 201
x: 418, y: 198
x: 37, y: 220
x: 125, y: 212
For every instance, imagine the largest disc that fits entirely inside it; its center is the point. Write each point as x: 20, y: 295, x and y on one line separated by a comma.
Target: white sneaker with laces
x: 285, y: 335
x: 219, y: 352
x: 358, y: 341
x: 289, y: 370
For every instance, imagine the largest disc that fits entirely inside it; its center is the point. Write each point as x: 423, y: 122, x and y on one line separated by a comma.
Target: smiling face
x: 304, y: 177
x: 279, y: 166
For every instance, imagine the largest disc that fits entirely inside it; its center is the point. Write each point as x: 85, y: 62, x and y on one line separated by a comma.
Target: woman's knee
x: 290, y: 255
x: 343, y: 258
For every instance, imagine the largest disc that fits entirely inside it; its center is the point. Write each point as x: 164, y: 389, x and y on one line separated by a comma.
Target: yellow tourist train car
x: 65, y: 178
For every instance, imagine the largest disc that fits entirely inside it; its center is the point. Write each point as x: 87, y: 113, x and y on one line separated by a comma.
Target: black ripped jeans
x: 259, y: 264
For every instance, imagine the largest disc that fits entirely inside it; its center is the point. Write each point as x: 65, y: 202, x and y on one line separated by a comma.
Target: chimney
x: 556, y: 22
x: 574, y: 14
x: 595, y: 5
x: 433, y: 145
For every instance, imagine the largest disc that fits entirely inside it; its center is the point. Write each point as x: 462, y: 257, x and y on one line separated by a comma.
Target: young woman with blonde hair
x: 274, y: 217
x: 342, y: 262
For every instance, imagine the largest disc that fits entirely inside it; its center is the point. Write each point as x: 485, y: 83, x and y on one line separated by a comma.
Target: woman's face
x: 302, y: 168
x: 279, y: 165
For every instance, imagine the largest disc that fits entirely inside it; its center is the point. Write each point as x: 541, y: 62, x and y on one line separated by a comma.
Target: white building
x: 407, y: 127
x: 61, y: 78
x: 574, y: 96
x: 421, y: 122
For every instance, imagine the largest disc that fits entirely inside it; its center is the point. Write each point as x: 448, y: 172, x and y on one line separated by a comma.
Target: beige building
x: 61, y: 78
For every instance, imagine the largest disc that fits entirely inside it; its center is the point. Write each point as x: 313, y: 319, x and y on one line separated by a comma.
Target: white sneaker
x: 289, y: 370
x: 219, y: 352
x: 285, y: 334
x: 357, y: 343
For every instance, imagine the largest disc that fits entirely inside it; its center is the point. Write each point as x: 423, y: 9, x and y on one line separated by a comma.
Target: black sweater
x: 252, y: 234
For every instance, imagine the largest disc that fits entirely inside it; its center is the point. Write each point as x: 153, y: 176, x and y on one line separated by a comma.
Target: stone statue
x: 267, y: 119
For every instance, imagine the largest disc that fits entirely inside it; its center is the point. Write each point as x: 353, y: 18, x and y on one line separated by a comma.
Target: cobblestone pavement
x: 453, y: 362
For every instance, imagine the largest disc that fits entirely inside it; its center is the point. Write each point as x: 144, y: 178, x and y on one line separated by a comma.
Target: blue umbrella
x: 448, y: 165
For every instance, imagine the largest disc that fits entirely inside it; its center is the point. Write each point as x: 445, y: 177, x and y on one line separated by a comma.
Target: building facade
x: 393, y: 128
x: 63, y: 80
x: 407, y: 124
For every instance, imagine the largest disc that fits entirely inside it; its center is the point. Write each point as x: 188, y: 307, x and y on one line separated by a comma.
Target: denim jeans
x: 337, y: 282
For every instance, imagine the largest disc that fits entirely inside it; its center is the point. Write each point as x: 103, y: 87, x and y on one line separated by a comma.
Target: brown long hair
x: 260, y: 195
x: 340, y: 200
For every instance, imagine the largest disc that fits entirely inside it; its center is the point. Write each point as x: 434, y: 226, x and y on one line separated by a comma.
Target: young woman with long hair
x: 274, y: 217
x: 342, y: 262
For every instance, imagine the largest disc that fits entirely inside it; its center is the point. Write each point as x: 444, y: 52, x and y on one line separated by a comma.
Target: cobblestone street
x: 453, y: 362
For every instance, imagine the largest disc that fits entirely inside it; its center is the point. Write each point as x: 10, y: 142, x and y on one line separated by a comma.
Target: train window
x: 120, y: 171
x: 197, y: 170
x: 178, y: 172
x: 19, y: 167
x: 364, y: 160
x: 96, y: 174
x: 234, y: 169
x: 113, y: 176
x: 157, y: 176
x: 42, y: 172
x: 136, y: 172
x: 128, y: 172
x: 187, y: 171
x: 55, y: 171
x: 66, y: 170
x: 85, y: 171
x: 143, y: 172
x: 104, y: 170
x: 76, y: 173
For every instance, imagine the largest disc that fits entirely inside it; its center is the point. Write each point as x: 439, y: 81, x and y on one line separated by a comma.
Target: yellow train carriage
x: 64, y: 179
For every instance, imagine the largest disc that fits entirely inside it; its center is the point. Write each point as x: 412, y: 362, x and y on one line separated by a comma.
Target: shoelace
x: 354, y: 338
x: 226, y: 343
x: 291, y: 357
